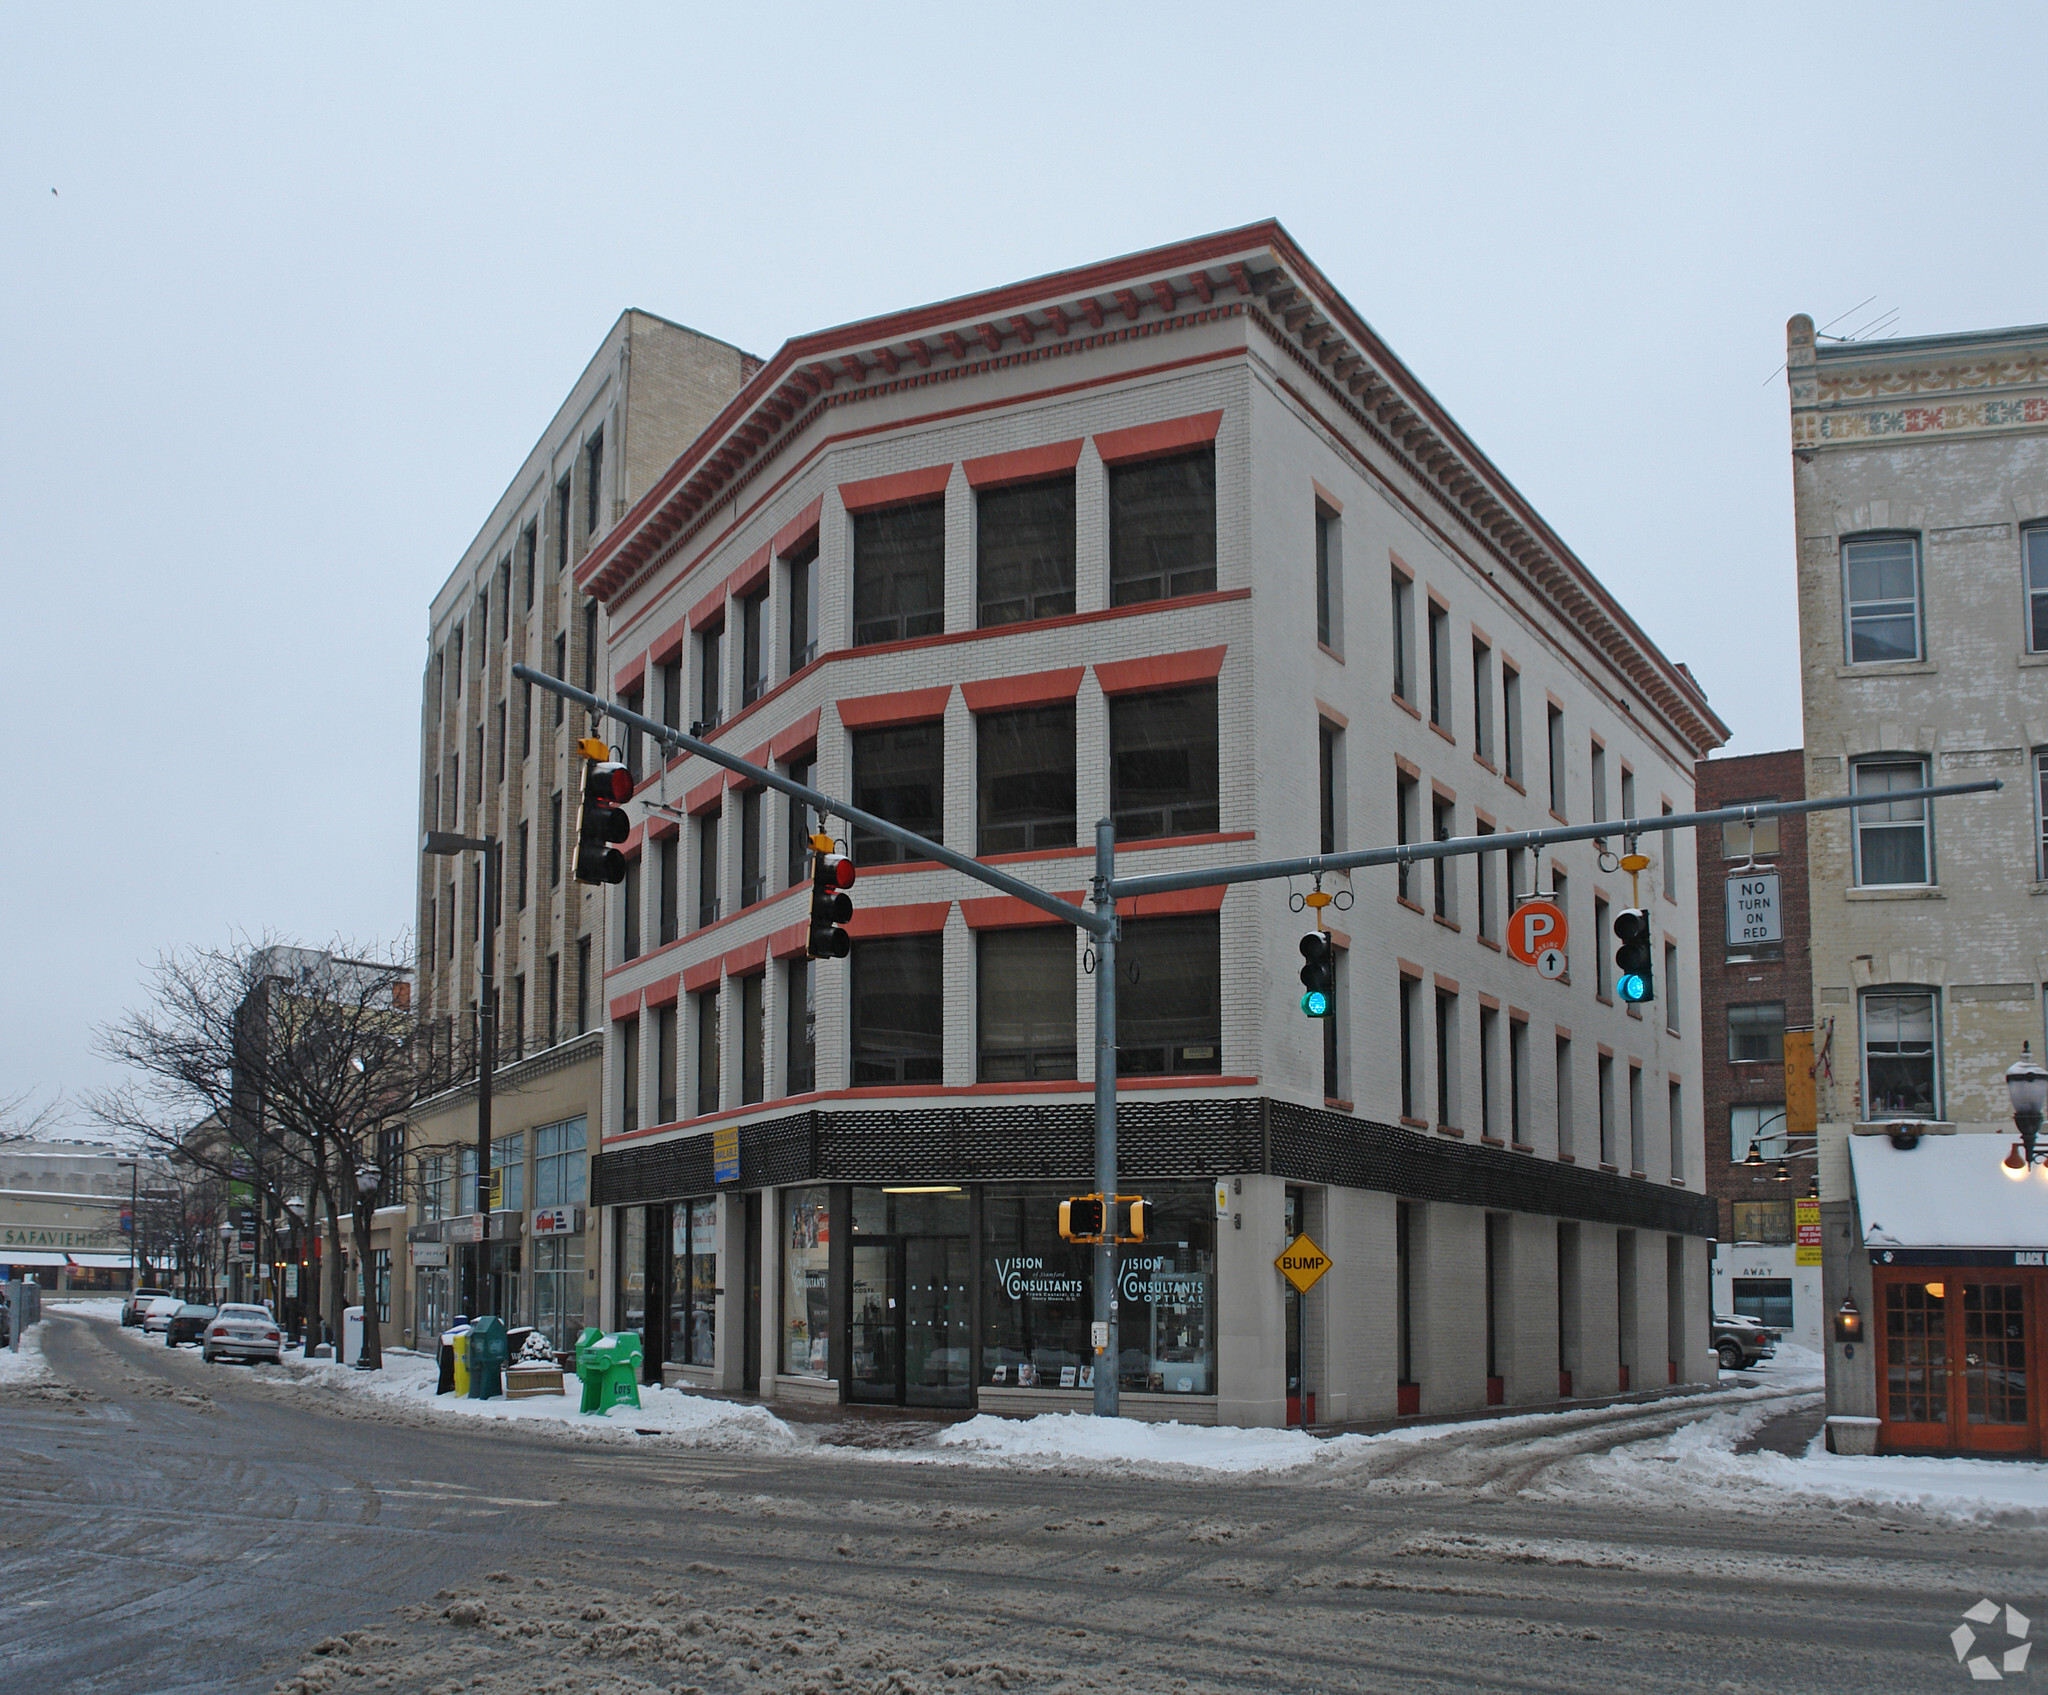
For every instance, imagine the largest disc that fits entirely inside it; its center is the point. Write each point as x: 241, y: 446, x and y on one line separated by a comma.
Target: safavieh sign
x: 35, y: 1236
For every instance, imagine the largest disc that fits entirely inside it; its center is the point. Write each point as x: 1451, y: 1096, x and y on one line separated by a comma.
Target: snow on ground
x: 105, y: 1308
x: 1085, y: 1440
x: 26, y: 1363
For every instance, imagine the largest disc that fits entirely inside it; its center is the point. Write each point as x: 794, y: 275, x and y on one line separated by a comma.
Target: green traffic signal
x: 1318, y: 975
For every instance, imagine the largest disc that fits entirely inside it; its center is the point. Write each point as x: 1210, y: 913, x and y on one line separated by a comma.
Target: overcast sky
x: 312, y: 280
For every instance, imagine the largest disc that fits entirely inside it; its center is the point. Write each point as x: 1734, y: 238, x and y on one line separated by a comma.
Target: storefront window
x: 558, y: 1289
x: 1166, y: 1298
x: 693, y: 1282
x: 806, y: 1325
x: 630, y: 1307
x: 433, y: 1310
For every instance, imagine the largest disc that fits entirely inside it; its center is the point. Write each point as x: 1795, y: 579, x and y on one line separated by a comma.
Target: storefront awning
x: 1949, y: 1192
x: 110, y: 1262
x: 29, y: 1256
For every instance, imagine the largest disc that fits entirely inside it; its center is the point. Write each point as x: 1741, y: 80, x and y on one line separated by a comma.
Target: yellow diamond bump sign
x: 1301, y: 1262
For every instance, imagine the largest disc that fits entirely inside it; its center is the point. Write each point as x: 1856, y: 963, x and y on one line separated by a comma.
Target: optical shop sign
x: 1753, y: 911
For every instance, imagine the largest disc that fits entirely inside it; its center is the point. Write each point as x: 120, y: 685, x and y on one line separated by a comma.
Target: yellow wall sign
x: 725, y: 1154
x: 1806, y: 1215
x: 1301, y: 1262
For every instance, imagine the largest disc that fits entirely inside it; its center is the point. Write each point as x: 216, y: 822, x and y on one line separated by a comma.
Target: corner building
x: 1174, y: 540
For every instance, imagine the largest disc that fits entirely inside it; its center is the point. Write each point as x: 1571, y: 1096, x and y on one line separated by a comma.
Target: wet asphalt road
x: 168, y: 1526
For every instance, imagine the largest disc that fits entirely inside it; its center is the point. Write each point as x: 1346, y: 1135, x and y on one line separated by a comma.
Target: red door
x: 1955, y: 1372
x: 1990, y: 1404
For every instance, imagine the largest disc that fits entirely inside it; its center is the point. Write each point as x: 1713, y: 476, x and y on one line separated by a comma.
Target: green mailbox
x: 610, y: 1369
x: 488, y: 1355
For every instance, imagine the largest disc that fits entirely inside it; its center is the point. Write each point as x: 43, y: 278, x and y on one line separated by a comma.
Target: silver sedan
x: 243, y: 1333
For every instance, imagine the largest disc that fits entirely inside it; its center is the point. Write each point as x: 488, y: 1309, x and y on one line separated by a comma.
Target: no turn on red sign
x: 1536, y: 927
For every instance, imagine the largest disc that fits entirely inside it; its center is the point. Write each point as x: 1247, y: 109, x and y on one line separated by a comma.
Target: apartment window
x: 1636, y: 1129
x: 529, y: 549
x: 1628, y: 793
x: 1443, y: 879
x: 1489, y: 1055
x: 1881, y: 591
x: 593, y: 483
x: 1162, y: 528
x: 554, y: 1014
x: 1599, y: 765
x: 1511, y: 723
x: 1556, y: 725
x: 1329, y: 576
x: 800, y: 1031
x: 1675, y: 1105
x: 753, y: 862
x: 707, y: 1051
x: 455, y: 660
x: 582, y: 984
x: 633, y: 700
x: 1766, y: 1223
x: 1163, y: 764
x: 1407, y: 827
x: 2041, y: 816
x: 803, y: 607
x: 1892, y: 845
x: 898, y: 1001
x: 1488, y: 866
x: 498, y: 725
x: 1330, y: 785
x: 628, y: 1032
x: 1669, y: 991
x: 1024, y: 1005
x: 753, y: 1038
x: 561, y: 670
x: 1439, y: 666
x: 1759, y: 1125
x: 1756, y: 1033
x: 1518, y: 1082
x: 1411, y: 1033
x: 1446, y: 1057
x: 519, y: 857
x: 1601, y: 942
x: 670, y: 675
x: 665, y: 1064
x: 898, y: 774
x: 1404, y: 636
x: 710, y: 673
x: 753, y: 646
x: 1899, y: 1057
x: 707, y: 868
x: 526, y: 721
x: 899, y: 571
x: 1024, y: 552
x: 483, y: 633
x: 1604, y: 1078
x: 1170, y: 996
x: 798, y: 870
x: 589, y: 646
x: 629, y: 929
x: 668, y: 857
x: 1565, y: 1130
x: 1482, y: 700
x: 2034, y: 543
x: 1024, y: 780
x: 518, y: 1031
x: 555, y: 839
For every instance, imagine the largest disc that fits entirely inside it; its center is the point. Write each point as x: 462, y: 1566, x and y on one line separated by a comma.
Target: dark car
x: 1742, y: 1342
x: 188, y: 1324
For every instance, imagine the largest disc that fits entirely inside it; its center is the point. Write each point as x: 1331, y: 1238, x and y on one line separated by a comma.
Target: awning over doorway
x: 1949, y: 1192
x: 28, y: 1256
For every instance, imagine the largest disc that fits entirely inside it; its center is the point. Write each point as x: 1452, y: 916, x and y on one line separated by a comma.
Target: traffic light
x: 1089, y: 1218
x: 1318, y: 975
x: 1130, y: 1219
x: 831, y: 906
x: 1081, y: 1218
x: 1635, y: 979
x: 600, y: 820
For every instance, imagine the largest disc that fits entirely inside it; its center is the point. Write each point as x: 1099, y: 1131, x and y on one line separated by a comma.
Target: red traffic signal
x: 831, y: 906
x: 607, y: 785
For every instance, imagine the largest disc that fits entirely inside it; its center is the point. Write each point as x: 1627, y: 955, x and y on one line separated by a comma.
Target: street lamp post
x: 2027, y: 1083
x: 445, y: 843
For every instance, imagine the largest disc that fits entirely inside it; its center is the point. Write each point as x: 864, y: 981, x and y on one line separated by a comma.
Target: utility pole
x: 1107, y: 1348
x: 444, y: 843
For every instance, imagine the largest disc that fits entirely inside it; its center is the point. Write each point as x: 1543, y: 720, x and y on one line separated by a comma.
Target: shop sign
x: 1752, y: 908
x: 1222, y: 1200
x: 1026, y: 1276
x: 557, y: 1221
x: 1302, y: 1263
x: 424, y: 1254
x: 1806, y: 1214
x: 467, y: 1229
x: 725, y: 1154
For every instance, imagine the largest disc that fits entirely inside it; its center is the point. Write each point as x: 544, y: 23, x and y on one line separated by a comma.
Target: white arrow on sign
x: 1551, y: 963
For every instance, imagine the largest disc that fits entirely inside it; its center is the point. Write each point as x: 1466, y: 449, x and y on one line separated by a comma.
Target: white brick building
x: 1173, y: 539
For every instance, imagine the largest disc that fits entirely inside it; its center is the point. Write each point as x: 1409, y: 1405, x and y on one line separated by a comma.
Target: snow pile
x: 1084, y: 1439
x: 106, y: 1309
x: 1791, y: 1367
x: 25, y: 1364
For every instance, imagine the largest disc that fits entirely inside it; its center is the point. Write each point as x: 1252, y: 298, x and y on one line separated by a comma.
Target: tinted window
x: 1162, y: 756
x: 1025, y: 551
x: 899, y: 562
x: 1025, y: 779
x: 1169, y: 996
x: 1025, y: 1004
x: 898, y: 774
x: 898, y: 1017
x: 1162, y: 528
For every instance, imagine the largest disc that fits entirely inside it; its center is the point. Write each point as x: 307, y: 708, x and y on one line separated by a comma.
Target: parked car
x: 243, y: 1333
x: 1742, y: 1342
x: 6, y: 1322
x: 137, y: 1304
x: 188, y: 1323
x: 157, y: 1316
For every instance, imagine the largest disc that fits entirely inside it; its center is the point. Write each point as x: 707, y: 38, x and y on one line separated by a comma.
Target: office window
x: 898, y: 1010
x: 2041, y: 816
x: 483, y: 633
x: 498, y: 729
x: 1169, y: 996
x: 1756, y: 1033
x: 633, y: 700
x: 628, y: 1032
x: 554, y: 1013
x: 1410, y: 997
x: 589, y: 646
x: 707, y: 868
x: 803, y: 607
x: 1565, y: 1098
x: 668, y: 854
x: 670, y: 676
x: 561, y: 669
x: 1899, y: 1058
x: 519, y: 858
x: 753, y: 646
x: 899, y: 570
x: 1407, y: 828
x: 1330, y: 785
x: 526, y: 721
x: 1443, y: 879
x: 1556, y: 727
x: 629, y: 929
x: 665, y: 1064
x: 1511, y: 723
x: 1488, y: 867
x: 1668, y: 853
x: 593, y: 483
x: 1759, y: 1125
x: 1881, y: 591
x: 1337, y: 1030
x: 1162, y: 528
x: 1636, y: 1128
x: 1446, y: 1057
x: 1489, y: 1057
x: 753, y: 1038
x: 1163, y: 764
x: 707, y: 1051
x: 1599, y: 785
x: 1628, y: 793
x: 1403, y: 628
x: 518, y: 1031
x: 583, y: 984
x: 555, y: 839
x: 1482, y: 700
x: 560, y: 1169
x: 1024, y: 1004
x: 1667, y: 987
x: 1893, y: 849
x: 753, y: 860
x: 1024, y: 552
x: 1329, y: 577
x: 1675, y: 1110
x: 1439, y: 666
x: 898, y: 774
x: 1604, y: 1078
x: 1603, y: 948
x: 2034, y: 543
x: 800, y: 1028
x: 529, y: 550
x: 711, y: 673
x: 1518, y: 1082
x: 798, y: 870
x: 1024, y: 779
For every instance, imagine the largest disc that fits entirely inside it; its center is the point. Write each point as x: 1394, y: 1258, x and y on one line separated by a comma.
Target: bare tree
x: 303, y: 1061
x: 20, y: 1121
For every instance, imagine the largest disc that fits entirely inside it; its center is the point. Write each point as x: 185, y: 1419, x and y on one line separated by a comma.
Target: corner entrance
x: 1955, y: 1371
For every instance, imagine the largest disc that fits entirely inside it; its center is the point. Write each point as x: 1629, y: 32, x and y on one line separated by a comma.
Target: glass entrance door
x: 875, y: 1356
x: 1955, y: 1363
x: 937, y: 1321
x: 1991, y: 1366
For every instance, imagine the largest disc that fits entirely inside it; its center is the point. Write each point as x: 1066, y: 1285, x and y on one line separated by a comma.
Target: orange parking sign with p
x: 1534, y: 926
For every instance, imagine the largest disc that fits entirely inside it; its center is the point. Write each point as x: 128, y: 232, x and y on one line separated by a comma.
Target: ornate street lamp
x: 2027, y: 1083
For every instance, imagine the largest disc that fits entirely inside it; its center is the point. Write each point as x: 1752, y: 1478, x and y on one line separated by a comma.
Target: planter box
x: 1851, y: 1435
x: 524, y: 1382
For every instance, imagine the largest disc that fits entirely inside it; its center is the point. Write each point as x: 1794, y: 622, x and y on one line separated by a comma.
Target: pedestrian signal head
x: 1318, y: 975
x: 1081, y: 1218
x: 1635, y: 981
